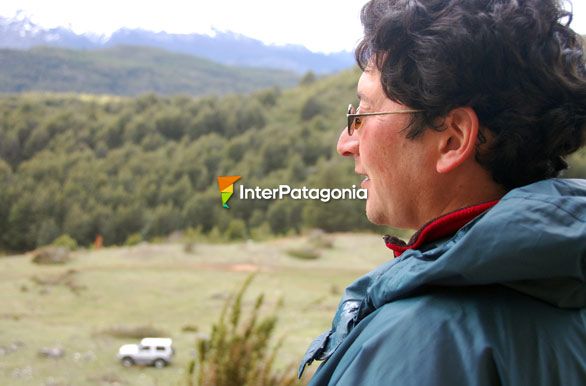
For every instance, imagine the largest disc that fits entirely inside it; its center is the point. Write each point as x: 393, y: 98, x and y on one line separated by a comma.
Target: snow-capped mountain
x: 224, y: 47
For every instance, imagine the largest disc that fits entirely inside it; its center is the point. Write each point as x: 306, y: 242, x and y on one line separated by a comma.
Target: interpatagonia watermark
x: 303, y: 193
x: 226, y: 187
x: 226, y: 184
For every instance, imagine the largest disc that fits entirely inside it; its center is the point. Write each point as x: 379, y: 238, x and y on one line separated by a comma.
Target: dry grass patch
x: 67, y: 279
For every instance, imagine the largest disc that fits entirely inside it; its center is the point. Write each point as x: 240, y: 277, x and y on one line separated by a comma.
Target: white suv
x: 151, y: 351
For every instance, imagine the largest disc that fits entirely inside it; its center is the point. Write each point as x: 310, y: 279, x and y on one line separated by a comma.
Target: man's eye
x: 357, y: 122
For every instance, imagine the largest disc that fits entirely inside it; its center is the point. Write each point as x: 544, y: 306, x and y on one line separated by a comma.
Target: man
x: 467, y: 110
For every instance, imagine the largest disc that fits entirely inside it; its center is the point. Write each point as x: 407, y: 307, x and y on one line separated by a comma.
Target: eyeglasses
x: 355, y: 118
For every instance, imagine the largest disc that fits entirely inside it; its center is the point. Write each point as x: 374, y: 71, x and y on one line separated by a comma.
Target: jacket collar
x: 438, y: 228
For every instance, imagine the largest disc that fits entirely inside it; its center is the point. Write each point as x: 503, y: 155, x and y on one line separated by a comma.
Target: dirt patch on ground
x: 185, y: 266
x: 244, y: 267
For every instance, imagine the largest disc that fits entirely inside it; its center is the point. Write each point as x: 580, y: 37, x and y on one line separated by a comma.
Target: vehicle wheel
x: 160, y: 363
x: 127, y: 362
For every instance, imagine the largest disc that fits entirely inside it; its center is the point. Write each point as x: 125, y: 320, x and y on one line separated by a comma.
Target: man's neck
x: 460, y: 192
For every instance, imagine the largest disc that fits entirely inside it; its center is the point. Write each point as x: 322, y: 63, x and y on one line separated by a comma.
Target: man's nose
x: 347, y: 144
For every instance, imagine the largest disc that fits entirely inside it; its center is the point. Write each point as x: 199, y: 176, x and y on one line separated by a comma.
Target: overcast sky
x: 320, y: 25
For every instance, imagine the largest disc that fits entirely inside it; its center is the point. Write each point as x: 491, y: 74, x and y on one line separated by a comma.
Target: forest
x: 139, y: 168
x: 145, y: 167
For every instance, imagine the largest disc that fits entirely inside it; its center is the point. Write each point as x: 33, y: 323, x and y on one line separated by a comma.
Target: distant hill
x: 128, y: 70
x: 224, y: 47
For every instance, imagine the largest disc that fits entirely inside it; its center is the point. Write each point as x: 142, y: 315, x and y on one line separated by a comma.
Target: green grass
x: 163, y: 287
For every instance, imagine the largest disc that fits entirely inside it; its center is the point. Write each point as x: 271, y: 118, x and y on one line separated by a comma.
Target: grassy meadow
x: 79, y: 306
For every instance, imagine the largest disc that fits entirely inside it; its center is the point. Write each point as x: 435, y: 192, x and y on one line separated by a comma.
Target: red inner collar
x: 438, y: 228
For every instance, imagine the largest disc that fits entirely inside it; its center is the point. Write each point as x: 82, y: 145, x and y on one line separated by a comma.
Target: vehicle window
x: 160, y: 348
x: 145, y: 348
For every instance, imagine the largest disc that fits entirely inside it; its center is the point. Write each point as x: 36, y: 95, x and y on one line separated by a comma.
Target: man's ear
x: 457, y: 141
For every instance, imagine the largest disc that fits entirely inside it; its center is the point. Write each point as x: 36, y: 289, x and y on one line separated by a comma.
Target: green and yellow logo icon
x: 226, y: 185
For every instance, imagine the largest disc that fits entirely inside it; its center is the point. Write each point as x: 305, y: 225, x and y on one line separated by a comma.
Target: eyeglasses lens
x: 350, y: 124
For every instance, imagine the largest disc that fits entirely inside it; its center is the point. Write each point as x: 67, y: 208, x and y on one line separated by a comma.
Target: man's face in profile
x: 396, y: 168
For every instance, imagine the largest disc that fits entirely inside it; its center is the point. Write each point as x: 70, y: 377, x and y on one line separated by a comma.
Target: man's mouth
x: 365, y: 178
x: 365, y: 182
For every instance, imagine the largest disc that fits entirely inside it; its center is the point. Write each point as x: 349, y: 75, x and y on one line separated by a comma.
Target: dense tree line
x: 118, y: 167
x: 122, y: 167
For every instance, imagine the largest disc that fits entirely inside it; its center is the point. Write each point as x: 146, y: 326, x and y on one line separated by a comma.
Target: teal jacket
x: 500, y: 302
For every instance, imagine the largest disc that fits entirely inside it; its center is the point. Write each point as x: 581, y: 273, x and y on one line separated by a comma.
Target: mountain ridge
x: 128, y: 71
x: 228, y: 48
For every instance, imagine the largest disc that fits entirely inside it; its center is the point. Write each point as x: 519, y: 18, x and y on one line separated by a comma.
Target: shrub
x: 189, y: 247
x: 304, y: 253
x: 133, y: 239
x: 261, y: 232
x: 133, y: 332
x: 237, y: 353
x: 193, y: 234
x: 215, y: 236
x: 319, y: 239
x: 65, y: 241
x: 51, y: 255
x: 190, y: 328
x: 236, y: 230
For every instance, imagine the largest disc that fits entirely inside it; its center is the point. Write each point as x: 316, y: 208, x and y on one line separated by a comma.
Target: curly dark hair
x: 515, y: 62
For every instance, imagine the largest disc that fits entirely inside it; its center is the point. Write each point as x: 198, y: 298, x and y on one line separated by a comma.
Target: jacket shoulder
x: 456, y: 337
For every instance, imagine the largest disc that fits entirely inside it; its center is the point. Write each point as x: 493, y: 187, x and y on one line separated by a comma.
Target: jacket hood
x: 533, y: 240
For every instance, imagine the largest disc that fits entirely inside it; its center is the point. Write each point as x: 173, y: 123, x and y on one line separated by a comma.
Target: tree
x: 161, y: 221
x: 308, y: 78
x: 312, y: 107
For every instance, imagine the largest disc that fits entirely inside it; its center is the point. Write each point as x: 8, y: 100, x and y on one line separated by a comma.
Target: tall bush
x: 238, y: 352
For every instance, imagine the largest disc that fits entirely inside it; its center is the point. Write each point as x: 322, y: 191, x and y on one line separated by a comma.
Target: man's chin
x: 378, y: 217
x: 374, y: 216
